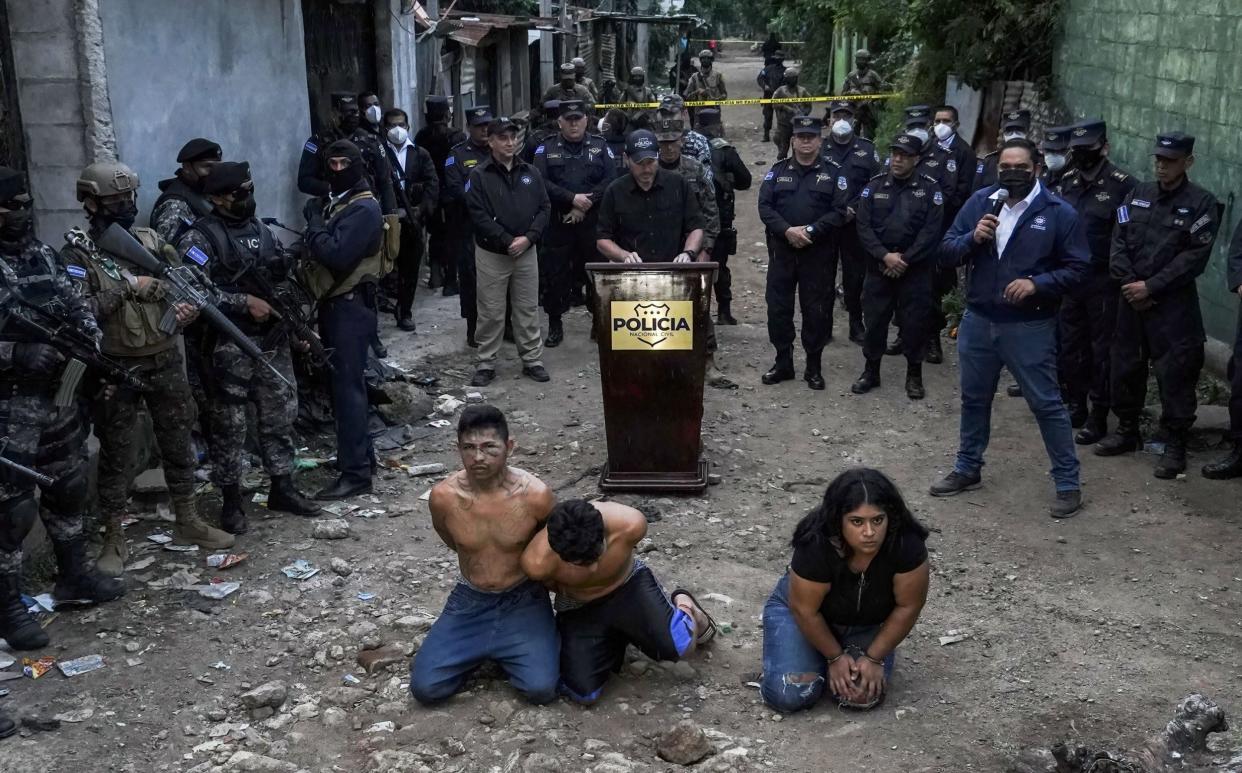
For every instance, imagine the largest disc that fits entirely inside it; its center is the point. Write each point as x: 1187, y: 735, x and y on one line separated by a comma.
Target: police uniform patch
x: 77, y: 272
x: 1123, y: 214
x: 610, y: 154
x: 539, y: 150
x: 866, y: 193
x: 937, y: 198
x: 1200, y: 223
x: 919, y: 193
x: 860, y: 153
x: 450, y: 160
x: 1144, y: 203
x: 1204, y: 238
x: 526, y: 179
x: 467, y: 186
x: 1103, y: 196
x: 1040, y: 223
x: 471, y: 163
x: 881, y: 196
x: 842, y: 183
x: 310, y: 146
x: 979, y: 168
x: 784, y: 179
x: 876, y: 155
x: 933, y: 163
x: 769, y: 176
x: 197, y: 255
x: 1183, y: 210
x: 951, y: 166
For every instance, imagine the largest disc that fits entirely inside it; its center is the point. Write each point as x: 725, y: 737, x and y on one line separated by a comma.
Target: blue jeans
x: 515, y: 628
x: 788, y: 657
x: 1029, y: 351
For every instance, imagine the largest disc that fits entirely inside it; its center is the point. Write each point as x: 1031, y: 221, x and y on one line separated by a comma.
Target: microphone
x: 1001, y: 196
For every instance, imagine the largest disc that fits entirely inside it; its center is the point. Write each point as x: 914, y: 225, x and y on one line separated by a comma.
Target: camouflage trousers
x: 235, y: 381
x: 171, y: 408
x: 52, y: 441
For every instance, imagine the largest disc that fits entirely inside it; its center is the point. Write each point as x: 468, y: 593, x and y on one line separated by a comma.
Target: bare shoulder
x: 538, y: 560
x: 446, y: 493
x: 623, y: 520
x: 527, y: 485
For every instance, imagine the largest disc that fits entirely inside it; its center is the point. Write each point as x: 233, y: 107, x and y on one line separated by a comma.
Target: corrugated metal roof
x: 471, y: 28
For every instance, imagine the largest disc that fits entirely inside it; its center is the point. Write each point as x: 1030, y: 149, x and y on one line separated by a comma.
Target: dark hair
x: 950, y: 108
x: 364, y: 94
x: 393, y: 112
x: 1025, y: 144
x: 477, y: 417
x: 617, y: 119
x: 576, y: 531
x: 849, y: 491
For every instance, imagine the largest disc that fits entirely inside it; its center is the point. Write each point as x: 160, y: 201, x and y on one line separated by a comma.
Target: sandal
x: 711, y: 630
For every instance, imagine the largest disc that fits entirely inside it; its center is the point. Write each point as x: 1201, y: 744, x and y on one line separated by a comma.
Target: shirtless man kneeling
x: 606, y: 597
x: 487, y: 513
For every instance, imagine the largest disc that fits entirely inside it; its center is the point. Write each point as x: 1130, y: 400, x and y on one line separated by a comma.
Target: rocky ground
x: 1088, y: 629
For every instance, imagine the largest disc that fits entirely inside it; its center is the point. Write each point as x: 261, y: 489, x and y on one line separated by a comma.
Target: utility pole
x: 546, y: 55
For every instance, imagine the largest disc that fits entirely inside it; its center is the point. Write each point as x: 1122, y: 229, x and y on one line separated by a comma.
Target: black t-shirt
x: 859, y: 599
x: 653, y: 223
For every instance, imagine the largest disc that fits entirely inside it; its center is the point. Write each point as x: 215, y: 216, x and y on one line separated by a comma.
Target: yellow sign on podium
x: 652, y: 325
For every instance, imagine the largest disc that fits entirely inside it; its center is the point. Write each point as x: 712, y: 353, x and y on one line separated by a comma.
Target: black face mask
x: 791, y: 82
x: 1018, y: 182
x: 123, y: 214
x: 350, y: 122
x: 243, y: 206
x: 1086, y: 158
x: 636, y: 81
x: 15, y: 225
x: 345, y: 179
x: 567, y: 83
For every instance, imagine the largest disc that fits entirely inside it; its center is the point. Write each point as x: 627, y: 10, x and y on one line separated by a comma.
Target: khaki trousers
x: 500, y: 276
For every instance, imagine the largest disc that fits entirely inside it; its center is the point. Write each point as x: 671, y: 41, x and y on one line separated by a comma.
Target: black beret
x: 12, y: 183
x: 197, y: 148
x: 226, y: 177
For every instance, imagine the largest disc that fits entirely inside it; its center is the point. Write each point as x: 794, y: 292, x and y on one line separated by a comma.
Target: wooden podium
x: 651, y: 323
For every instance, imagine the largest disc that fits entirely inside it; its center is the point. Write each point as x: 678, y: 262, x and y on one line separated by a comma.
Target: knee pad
x: 17, y: 515
x: 69, y: 493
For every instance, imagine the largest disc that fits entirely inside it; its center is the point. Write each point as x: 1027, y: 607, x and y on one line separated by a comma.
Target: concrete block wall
x: 1147, y: 66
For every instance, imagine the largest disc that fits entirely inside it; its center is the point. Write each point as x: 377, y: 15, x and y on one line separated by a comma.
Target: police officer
x: 129, y: 306
x: 463, y: 158
x: 864, y: 80
x: 40, y: 435
x: 1015, y: 124
x: 944, y: 130
x: 536, y: 134
x: 576, y: 168
x: 1055, y: 149
x: 344, y: 231
x: 1162, y: 243
x: 1095, y: 188
x: 786, y: 112
x: 313, y: 174
x: 181, y: 200
x: 900, y: 222
x: 859, y: 161
x: 802, y: 204
x: 243, y: 259
x: 637, y: 91
x: 1230, y: 465
x: 729, y: 174
x: 437, y: 137
x: 567, y: 88
x: 581, y: 78
x: 770, y: 79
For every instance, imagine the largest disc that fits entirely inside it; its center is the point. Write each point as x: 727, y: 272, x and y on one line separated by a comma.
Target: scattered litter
x: 217, y: 590
x: 225, y: 560
x: 159, y: 538
x: 425, y: 496
x: 4, y: 692
x: 182, y: 548
x: 340, y: 508
x: 351, y: 679
x: 81, y: 665
x: 364, y: 596
x: 300, y: 570
x: 433, y: 468
x: 163, y: 513
x: 37, y: 668
x: 308, y: 462
x: 128, y: 521
x: 474, y: 397
x: 723, y: 599
x: 370, y: 512
x: 387, y: 726
x: 440, y: 423
x: 75, y: 716
x: 131, y: 662
x: 220, y: 665
x: 447, y: 405
x: 41, y: 603
x: 259, y: 499
x: 182, y: 578
x: 138, y: 566
x: 953, y: 637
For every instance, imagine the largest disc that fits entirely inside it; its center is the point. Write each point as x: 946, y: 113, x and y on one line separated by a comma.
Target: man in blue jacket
x: 1024, y: 249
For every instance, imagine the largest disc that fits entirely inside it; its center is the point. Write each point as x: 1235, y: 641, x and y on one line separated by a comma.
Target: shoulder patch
x: 467, y: 186
x: 310, y: 146
x: 951, y: 165
x: 866, y: 192
x: 539, y: 150
x: 771, y: 173
x: 197, y: 255
x: 1123, y: 214
x: 77, y: 272
x: 842, y: 183
x: 979, y: 168
x: 1120, y: 175
x: 1144, y: 203
x: 450, y: 160
x: 937, y: 198
x: 1206, y: 219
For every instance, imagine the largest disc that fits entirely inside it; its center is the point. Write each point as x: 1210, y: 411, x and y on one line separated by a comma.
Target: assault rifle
x: 22, y: 470
x: 189, y: 285
x: 44, y: 324
x: 287, y: 308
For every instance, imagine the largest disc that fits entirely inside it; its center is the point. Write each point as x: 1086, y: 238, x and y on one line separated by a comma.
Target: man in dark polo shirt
x: 650, y: 215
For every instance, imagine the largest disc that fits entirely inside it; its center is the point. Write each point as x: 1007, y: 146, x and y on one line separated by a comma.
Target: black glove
x: 313, y: 212
x: 37, y: 359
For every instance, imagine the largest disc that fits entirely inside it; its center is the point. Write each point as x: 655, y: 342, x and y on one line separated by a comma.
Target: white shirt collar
x: 398, y: 149
x: 1035, y: 189
x: 1009, y: 217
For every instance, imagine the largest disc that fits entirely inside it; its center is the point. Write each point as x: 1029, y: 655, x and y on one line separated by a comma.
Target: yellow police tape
x: 757, y: 101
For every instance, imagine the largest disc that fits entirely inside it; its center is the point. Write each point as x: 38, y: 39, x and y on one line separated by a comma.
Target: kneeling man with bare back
x: 487, y: 513
x: 606, y: 597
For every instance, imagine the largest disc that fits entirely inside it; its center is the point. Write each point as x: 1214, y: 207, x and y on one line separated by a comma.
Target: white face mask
x: 397, y: 135
x: 603, y: 126
x: 374, y: 114
x: 842, y: 128
x: 1014, y: 136
x: 943, y: 131
x: 1054, y: 161
x: 921, y: 133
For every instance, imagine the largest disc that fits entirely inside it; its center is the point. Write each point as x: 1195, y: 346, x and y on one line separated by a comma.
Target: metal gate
x: 340, y: 52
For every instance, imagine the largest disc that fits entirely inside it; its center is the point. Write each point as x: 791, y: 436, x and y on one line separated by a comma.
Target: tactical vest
x: 238, y: 253
x: 318, y: 278
x: 179, y: 190
x: 33, y: 278
x: 133, y: 330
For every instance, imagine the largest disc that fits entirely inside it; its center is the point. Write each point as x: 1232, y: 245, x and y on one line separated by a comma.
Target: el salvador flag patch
x: 77, y: 272
x: 312, y: 147
x: 539, y: 150
x: 769, y: 175
x: 1123, y: 214
x: 450, y: 161
x: 467, y: 186
x: 866, y: 194
x: 197, y: 255
x: 979, y: 169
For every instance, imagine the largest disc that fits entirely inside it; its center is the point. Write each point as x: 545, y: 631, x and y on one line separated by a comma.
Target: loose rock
x: 332, y: 528
x: 341, y: 567
x: 685, y: 744
x: 272, y: 694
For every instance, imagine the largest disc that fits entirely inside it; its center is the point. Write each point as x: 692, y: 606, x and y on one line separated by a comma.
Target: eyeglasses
x: 17, y: 203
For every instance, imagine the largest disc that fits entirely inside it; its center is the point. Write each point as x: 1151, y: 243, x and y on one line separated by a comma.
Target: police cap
x: 436, y: 104
x: 1057, y: 138
x: 1174, y: 145
x: 641, y: 145
x: 1016, y: 119
x: 501, y: 124
x: 840, y: 105
x: 907, y: 143
x: 707, y: 116
x: 918, y: 115
x: 669, y: 129
x: 226, y: 177
x: 1086, y: 134
x: 806, y: 124
x: 12, y: 183
x: 572, y: 108
x: 479, y: 115
x: 198, y: 148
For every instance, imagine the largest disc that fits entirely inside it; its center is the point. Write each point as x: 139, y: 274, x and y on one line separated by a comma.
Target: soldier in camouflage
x: 787, y: 111
x: 864, y: 80
x: 582, y: 80
x: 129, y: 305
x: 181, y: 200
x: 566, y: 89
x: 40, y: 435
x: 637, y: 91
x: 244, y: 261
x: 693, y: 143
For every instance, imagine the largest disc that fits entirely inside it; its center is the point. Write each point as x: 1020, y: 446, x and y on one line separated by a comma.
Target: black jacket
x: 794, y: 195
x: 438, y: 140
x: 417, y: 185
x: 729, y: 174
x: 1164, y: 237
x: 506, y: 203
x: 1233, y: 271
x: 904, y: 216
x: 1097, y: 201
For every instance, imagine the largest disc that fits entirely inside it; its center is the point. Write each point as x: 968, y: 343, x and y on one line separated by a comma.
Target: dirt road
x: 1091, y: 628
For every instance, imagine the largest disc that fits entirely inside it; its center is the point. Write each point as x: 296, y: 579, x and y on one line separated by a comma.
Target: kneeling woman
x: 855, y: 587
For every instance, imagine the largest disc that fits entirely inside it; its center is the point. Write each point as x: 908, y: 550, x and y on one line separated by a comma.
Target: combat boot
x: 724, y: 315
x: 814, y: 374
x: 914, y: 382
x: 1228, y: 466
x: 232, y: 511
x: 191, y: 529
x: 935, y: 354
x: 1123, y: 441
x: 556, y: 333
x: 870, y: 378
x: 285, y: 497
x: 858, y: 331
x: 17, y: 627
x: 1095, y: 428
x: 767, y: 135
x: 114, y: 552
x: 1173, y: 461
x: 75, y: 582
x: 783, y: 370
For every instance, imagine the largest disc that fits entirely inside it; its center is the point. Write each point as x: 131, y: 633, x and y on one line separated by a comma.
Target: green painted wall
x: 1161, y: 65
